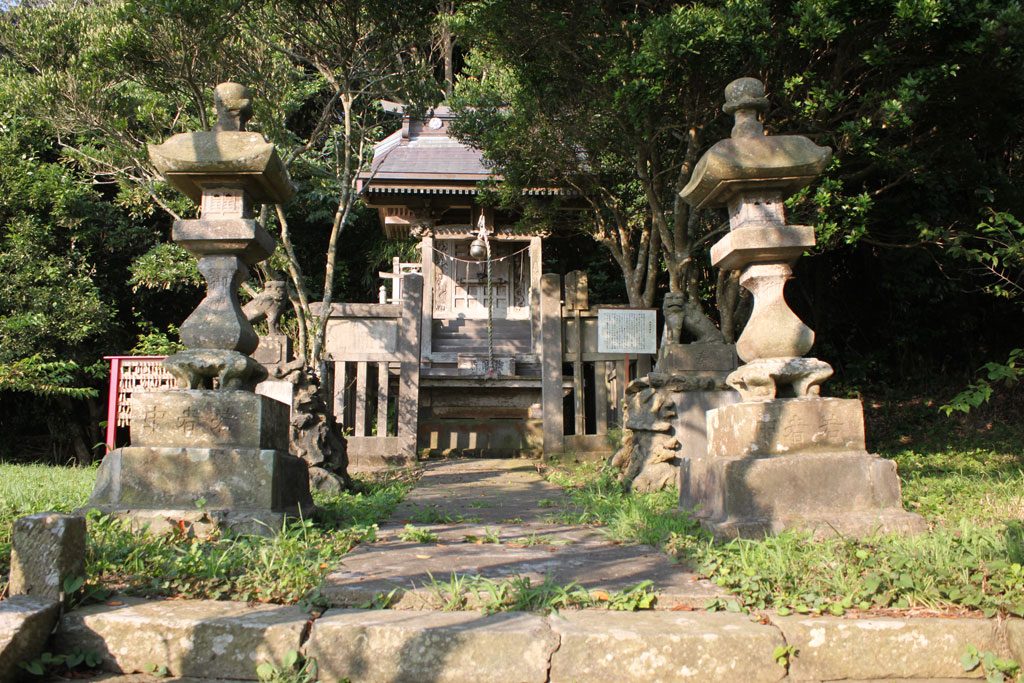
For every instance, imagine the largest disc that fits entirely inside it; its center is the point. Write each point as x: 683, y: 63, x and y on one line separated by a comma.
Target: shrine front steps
x: 209, y: 640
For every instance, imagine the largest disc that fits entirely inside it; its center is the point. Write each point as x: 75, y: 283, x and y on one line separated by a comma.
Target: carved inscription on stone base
x: 209, y: 419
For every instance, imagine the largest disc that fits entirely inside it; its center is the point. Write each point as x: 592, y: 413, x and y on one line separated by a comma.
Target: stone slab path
x: 497, y: 519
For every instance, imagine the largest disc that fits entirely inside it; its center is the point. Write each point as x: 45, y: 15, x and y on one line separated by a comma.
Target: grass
x: 25, y: 489
x: 285, y: 568
x: 599, y: 499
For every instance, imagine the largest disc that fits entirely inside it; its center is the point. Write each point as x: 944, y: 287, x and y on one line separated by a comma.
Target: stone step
x: 477, y: 332
x: 501, y: 347
x: 204, y: 640
x: 478, y: 328
x: 192, y: 638
x: 25, y: 622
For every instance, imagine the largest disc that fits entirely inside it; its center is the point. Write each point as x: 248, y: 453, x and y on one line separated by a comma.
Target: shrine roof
x: 423, y: 158
x: 423, y: 153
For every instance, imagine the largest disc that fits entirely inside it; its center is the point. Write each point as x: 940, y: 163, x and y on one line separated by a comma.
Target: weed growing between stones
x: 68, y: 664
x: 996, y: 669
x: 490, y: 536
x: 522, y: 594
x: 294, y: 668
x: 415, y: 534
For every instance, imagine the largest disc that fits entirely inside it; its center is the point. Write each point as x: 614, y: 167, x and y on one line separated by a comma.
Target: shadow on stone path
x: 470, y: 504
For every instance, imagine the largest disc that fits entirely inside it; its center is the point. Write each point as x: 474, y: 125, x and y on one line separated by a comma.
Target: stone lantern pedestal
x: 212, y: 453
x: 783, y: 457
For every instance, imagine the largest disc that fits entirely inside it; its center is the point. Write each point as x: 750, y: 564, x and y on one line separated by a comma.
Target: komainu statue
x: 268, y: 305
x: 682, y: 315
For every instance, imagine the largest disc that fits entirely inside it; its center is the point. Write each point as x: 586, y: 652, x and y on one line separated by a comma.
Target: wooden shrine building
x: 432, y: 368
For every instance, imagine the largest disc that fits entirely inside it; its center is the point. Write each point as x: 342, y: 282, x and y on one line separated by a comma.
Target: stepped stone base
x: 793, y: 463
x: 203, y: 460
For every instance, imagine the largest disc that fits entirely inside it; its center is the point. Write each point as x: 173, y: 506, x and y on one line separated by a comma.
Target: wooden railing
x: 374, y: 351
x: 130, y: 375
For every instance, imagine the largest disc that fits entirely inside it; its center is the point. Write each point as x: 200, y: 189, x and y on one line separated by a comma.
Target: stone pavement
x: 205, y: 640
x: 470, y: 504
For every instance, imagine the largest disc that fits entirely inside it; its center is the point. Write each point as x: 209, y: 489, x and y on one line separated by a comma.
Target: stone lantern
x: 213, y: 453
x: 783, y: 456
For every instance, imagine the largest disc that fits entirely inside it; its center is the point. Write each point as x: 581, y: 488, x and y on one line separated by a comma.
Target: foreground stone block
x: 209, y: 419
x: 46, y: 549
x: 663, y: 646
x: 884, y: 648
x: 449, y: 647
x: 201, y: 638
x: 1015, y: 638
x: 25, y: 624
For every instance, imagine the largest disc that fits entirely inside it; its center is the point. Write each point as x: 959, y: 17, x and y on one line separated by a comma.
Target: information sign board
x: 629, y: 331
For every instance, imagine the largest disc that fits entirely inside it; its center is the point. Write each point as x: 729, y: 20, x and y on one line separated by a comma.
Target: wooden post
x: 426, y: 295
x: 112, y: 407
x: 621, y: 370
x: 601, y: 396
x: 382, y: 398
x: 578, y: 383
x: 551, y: 363
x: 536, y: 267
x: 396, y: 281
x: 360, y: 426
x: 340, y: 383
x: 409, y: 344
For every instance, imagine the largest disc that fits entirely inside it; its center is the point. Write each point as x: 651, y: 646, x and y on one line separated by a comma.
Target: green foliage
x: 966, y: 566
x: 965, y: 480
x: 154, y: 342
x: 157, y: 670
x: 783, y: 655
x: 50, y: 664
x: 415, y: 534
x: 1005, y: 374
x: 996, y: 669
x: 78, y: 591
x: 44, y: 378
x: 380, y: 600
x: 639, y: 597
x: 997, y: 248
x: 286, y: 567
x: 165, y: 266
x: 612, y: 104
x: 294, y: 668
x: 490, y: 536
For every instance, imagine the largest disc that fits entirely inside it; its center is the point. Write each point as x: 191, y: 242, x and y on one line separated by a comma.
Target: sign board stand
x: 629, y: 331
